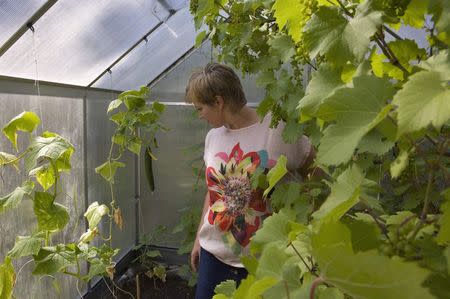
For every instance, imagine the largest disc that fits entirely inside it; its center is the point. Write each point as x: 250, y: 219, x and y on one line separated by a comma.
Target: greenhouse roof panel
x: 15, y: 13
x: 164, y: 46
x: 75, y: 41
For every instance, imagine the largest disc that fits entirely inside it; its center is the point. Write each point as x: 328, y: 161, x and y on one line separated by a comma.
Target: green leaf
x: 292, y: 131
x: 199, y: 38
x: 356, y: 110
x: 226, y: 288
x: 276, y: 173
x: 288, y: 14
x: 440, y: 9
x: 365, y: 234
x: 423, y: 100
x: 272, y: 261
x: 45, y: 176
x: 134, y: 145
x: 158, y: 107
x: 6, y: 158
x: 94, y: 214
x: 282, y: 47
x: 406, y: 51
x: 329, y: 33
x: 50, y: 260
x: 330, y: 293
x: 7, y: 278
x: 399, y: 164
x: 250, y: 288
x: 344, y: 195
x: 322, y: 84
x: 13, y: 199
x: 108, y: 170
x: 374, y: 142
x: 447, y: 257
x: 26, y: 121
x: 153, y: 253
x: 26, y: 245
x: 50, y: 216
x: 114, y: 105
x: 52, y: 148
x: 134, y: 98
x: 415, y: 13
x: 160, y: 272
x: 365, y: 274
x: 96, y: 268
x: 443, y: 236
x: 438, y: 63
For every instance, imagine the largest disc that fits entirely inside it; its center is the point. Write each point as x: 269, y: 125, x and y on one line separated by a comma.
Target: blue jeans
x: 212, y: 272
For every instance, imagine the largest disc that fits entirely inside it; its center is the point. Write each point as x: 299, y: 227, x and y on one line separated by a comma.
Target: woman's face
x: 211, y: 113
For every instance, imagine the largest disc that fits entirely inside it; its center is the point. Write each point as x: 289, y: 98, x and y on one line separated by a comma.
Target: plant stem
x: 380, y: 225
x: 314, y: 285
x: 304, y: 262
x: 286, y: 287
x: 423, y: 216
x: 388, y: 30
x: 389, y: 54
x: 347, y: 12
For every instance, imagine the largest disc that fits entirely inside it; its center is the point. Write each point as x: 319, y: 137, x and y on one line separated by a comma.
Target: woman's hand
x: 195, y: 255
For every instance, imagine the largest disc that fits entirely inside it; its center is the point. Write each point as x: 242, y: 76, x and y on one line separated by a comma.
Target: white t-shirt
x: 235, y: 210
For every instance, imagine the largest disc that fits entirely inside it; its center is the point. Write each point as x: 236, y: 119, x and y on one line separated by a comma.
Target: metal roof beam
x: 144, y: 38
x: 28, y: 25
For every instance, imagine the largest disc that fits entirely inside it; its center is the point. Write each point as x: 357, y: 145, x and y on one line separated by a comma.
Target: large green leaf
x: 51, y: 216
x: 227, y: 287
x: 94, y: 214
x: 14, y: 198
x: 438, y: 63
x: 322, y: 84
x: 26, y: 121
x: 251, y: 288
x: 26, y: 245
x: 288, y: 14
x: 440, y: 9
x: 50, y: 260
x: 356, y: 111
x: 423, y: 100
x: 444, y: 232
x: 331, y: 34
x: 276, y: 173
x: 283, y: 47
x: 108, y: 170
x: 52, y: 148
x: 365, y: 274
x: 344, y: 195
x: 415, y: 13
x: 7, y: 278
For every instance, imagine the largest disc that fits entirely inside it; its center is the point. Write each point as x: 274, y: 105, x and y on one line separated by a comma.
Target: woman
x: 238, y: 144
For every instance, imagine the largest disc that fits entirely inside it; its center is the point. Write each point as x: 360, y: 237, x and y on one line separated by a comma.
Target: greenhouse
x: 318, y: 129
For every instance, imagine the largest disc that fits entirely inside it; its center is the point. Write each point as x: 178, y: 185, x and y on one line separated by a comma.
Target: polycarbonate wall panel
x: 179, y: 150
x: 75, y: 41
x: 65, y: 117
x: 165, y: 45
x: 99, y: 132
x: 171, y: 87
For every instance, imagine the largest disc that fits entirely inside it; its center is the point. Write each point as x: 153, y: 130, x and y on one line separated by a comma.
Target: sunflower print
x: 236, y: 208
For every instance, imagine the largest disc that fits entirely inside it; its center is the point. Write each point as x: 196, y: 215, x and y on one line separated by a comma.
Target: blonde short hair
x: 216, y: 80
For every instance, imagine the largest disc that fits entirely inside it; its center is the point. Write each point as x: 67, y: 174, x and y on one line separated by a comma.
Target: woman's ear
x: 220, y: 103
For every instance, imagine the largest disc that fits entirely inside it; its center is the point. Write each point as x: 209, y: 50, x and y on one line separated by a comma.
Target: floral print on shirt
x: 236, y: 208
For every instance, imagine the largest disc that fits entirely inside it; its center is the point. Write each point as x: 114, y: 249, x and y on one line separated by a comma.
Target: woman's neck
x: 241, y: 119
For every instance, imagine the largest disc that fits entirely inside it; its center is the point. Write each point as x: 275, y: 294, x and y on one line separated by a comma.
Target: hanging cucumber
x: 148, y: 164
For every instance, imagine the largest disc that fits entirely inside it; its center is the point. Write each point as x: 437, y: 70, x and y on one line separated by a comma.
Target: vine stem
x: 316, y: 282
x: 389, y: 54
x: 423, y: 216
x: 303, y: 260
x: 286, y: 287
x: 380, y: 225
x: 392, y: 33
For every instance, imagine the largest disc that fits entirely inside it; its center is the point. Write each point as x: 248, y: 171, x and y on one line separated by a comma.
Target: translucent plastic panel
x: 169, y: 42
x: 13, y: 14
x: 75, y: 41
x: 171, y: 87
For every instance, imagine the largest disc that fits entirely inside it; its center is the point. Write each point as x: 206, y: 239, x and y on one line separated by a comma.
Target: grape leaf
x: 282, y: 46
x: 288, y: 14
x: 331, y: 34
x: 438, y: 63
x: 399, y: 164
x: 322, y: 84
x: 364, y: 274
x: 440, y: 9
x: 356, y: 111
x: 276, y: 173
x: 344, y: 195
x: 26, y: 121
x: 373, y: 142
x: 444, y: 233
x: 415, y: 13
x: 423, y: 100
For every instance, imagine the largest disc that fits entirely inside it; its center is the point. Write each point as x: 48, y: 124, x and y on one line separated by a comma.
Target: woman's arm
x: 195, y: 253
